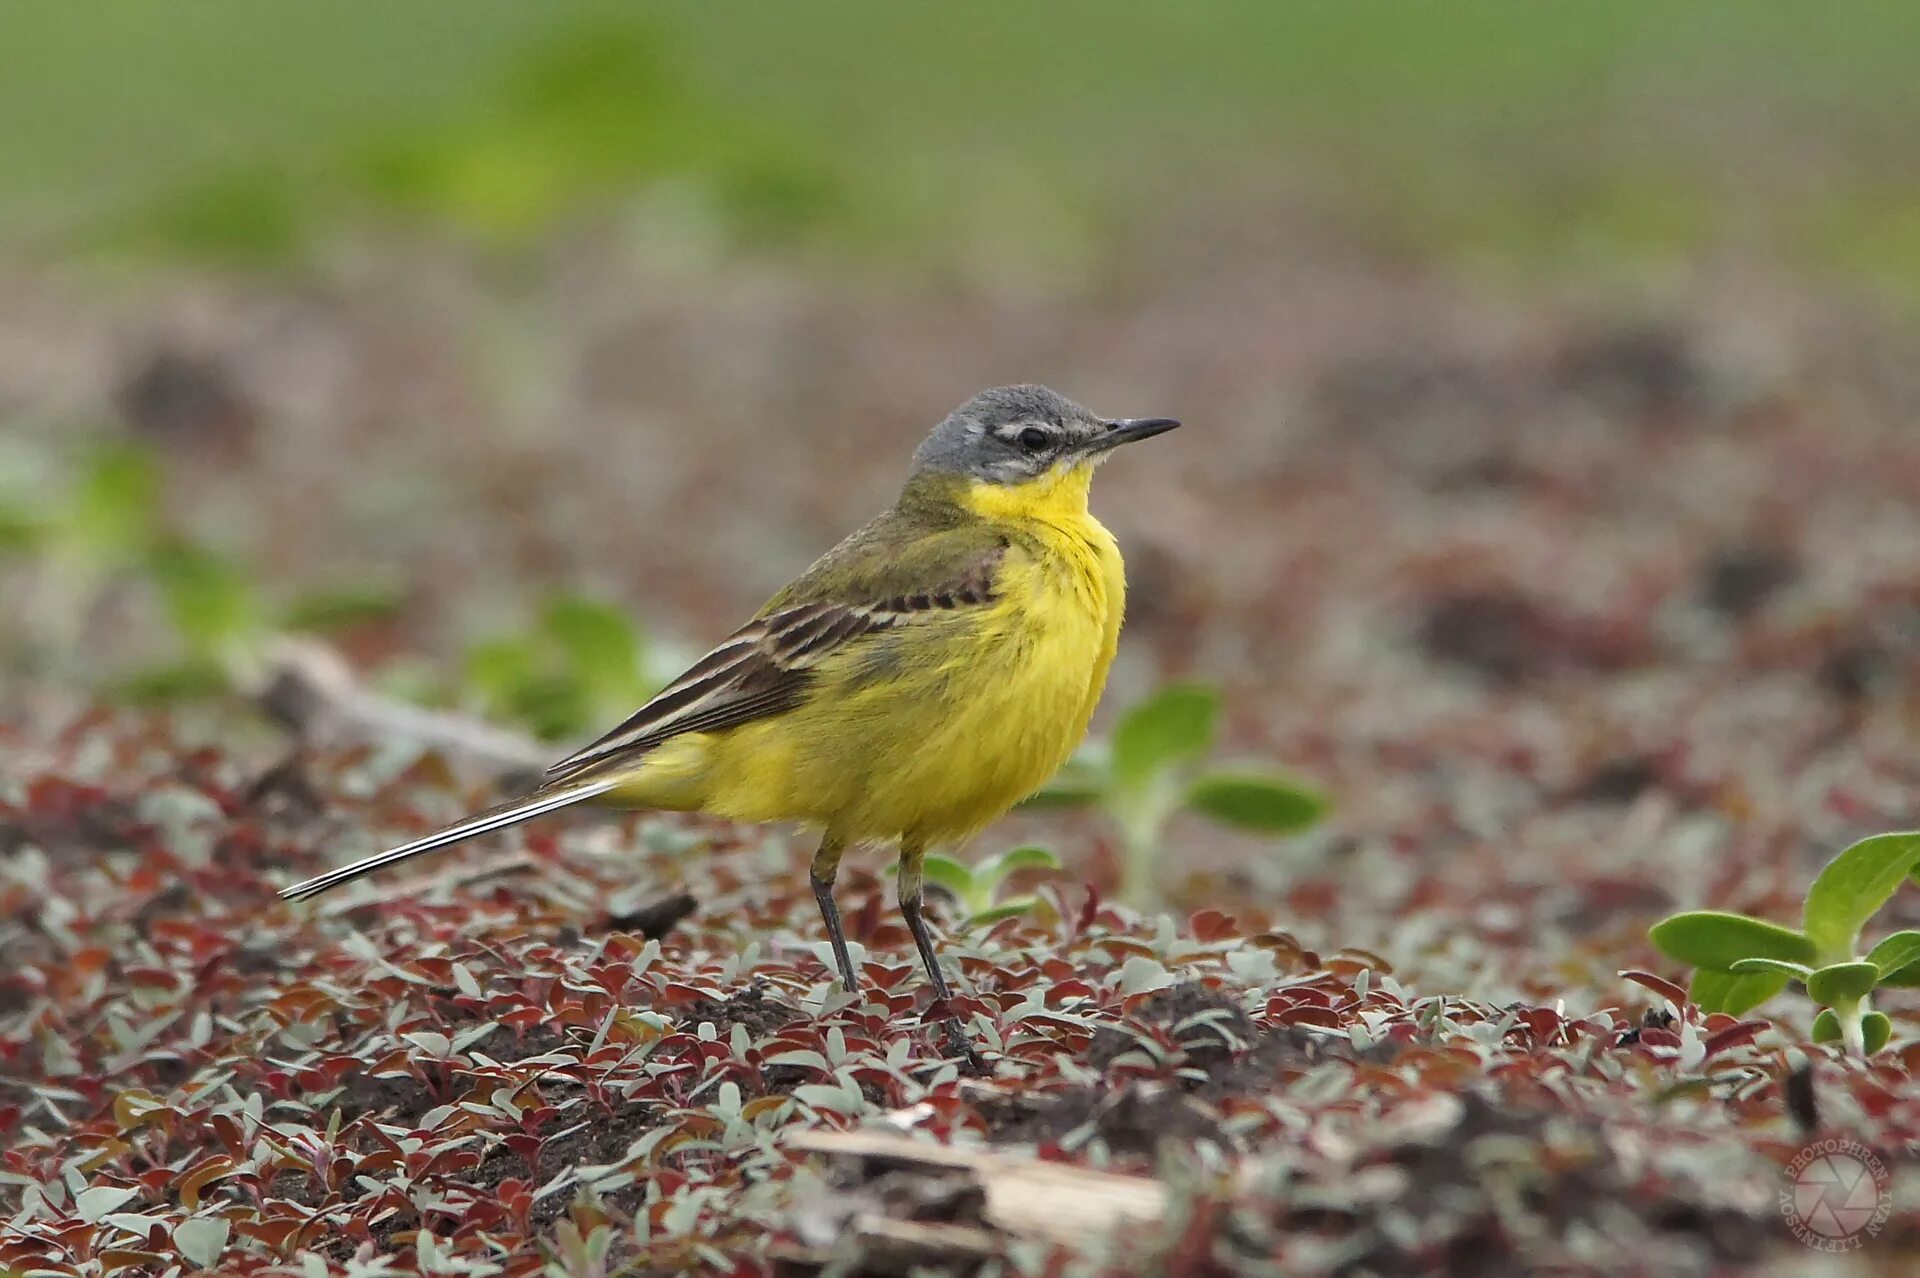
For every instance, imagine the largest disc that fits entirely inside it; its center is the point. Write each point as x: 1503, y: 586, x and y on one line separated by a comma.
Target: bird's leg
x: 911, y: 855
x: 826, y: 864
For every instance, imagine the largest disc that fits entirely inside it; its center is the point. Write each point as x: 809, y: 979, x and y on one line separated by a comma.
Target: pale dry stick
x: 310, y: 690
x: 1054, y: 1203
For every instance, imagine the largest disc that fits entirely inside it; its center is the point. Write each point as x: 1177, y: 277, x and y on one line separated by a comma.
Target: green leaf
x: 1875, y: 1029
x: 20, y: 528
x: 113, y: 513
x: 1826, y: 1027
x: 1898, y: 958
x: 1854, y: 886
x: 555, y: 707
x: 1841, y: 984
x: 1717, y: 991
x: 514, y: 678
x: 1004, y: 910
x: 1901, y: 978
x: 945, y: 872
x: 498, y: 668
x: 1175, y: 724
x: 601, y: 643
x: 192, y: 680
x: 1748, y: 966
x: 211, y: 600
x: 343, y: 607
x: 1029, y: 857
x: 1716, y: 939
x: 1263, y: 804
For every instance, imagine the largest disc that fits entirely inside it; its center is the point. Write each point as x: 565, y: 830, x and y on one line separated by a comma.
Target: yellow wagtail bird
x: 916, y: 682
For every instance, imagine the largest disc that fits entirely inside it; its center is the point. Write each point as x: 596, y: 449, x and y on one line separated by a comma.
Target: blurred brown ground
x: 1453, y: 553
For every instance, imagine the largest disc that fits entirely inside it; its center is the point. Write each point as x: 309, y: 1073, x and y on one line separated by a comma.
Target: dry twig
x: 961, y: 1205
x: 307, y: 688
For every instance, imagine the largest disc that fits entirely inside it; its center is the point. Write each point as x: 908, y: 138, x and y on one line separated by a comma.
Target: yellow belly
x: 930, y: 732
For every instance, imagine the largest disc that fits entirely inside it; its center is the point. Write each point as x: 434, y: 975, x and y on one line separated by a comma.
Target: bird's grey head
x: 1011, y: 434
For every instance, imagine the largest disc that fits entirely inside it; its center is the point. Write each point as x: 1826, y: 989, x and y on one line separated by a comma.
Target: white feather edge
x: 471, y: 827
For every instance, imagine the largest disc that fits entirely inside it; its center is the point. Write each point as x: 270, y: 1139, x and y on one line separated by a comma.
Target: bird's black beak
x: 1128, y: 429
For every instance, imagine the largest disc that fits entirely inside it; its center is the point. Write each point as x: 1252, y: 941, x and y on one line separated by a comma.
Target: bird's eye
x: 1035, y: 440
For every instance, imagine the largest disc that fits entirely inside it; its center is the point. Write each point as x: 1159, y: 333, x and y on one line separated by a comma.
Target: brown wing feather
x: 764, y: 667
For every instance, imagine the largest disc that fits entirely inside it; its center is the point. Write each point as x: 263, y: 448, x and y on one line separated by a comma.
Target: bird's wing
x: 875, y: 581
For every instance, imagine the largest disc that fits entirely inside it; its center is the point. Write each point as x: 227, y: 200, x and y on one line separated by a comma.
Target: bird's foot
x: 960, y: 1046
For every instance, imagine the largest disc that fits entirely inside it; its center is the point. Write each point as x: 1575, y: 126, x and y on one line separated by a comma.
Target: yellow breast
x: 1078, y: 587
x: 1051, y: 638
x: 934, y: 730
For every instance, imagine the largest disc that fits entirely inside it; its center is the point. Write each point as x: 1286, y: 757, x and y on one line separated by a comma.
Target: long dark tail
x: 547, y: 799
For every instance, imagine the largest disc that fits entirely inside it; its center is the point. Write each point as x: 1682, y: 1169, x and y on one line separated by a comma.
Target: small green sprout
x: 79, y: 538
x: 1741, y: 962
x: 216, y: 609
x: 111, y: 516
x: 105, y: 528
x: 1149, y: 773
x: 344, y: 605
x: 583, y: 663
x: 978, y: 888
x: 224, y: 624
x: 86, y: 538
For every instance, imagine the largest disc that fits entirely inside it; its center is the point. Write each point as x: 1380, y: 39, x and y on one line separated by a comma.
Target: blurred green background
x: 1005, y: 138
x: 461, y: 332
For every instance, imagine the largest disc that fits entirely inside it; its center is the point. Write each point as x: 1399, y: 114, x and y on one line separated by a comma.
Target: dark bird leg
x: 911, y: 855
x: 826, y: 864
